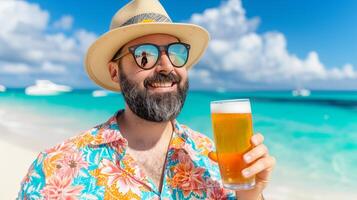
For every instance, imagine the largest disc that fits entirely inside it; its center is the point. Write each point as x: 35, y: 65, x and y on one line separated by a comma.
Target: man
x: 142, y: 152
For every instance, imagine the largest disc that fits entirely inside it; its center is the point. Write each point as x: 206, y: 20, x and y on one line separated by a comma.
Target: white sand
x: 23, y: 134
x: 283, y: 189
x: 15, y: 161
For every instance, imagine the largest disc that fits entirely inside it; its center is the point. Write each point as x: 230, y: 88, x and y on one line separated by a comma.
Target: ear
x: 114, y: 71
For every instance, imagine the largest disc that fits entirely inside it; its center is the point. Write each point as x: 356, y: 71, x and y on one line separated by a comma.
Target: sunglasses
x: 147, y: 55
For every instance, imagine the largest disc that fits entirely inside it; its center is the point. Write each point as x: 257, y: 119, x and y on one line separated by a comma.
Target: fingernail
x: 246, y: 173
x: 247, y: 158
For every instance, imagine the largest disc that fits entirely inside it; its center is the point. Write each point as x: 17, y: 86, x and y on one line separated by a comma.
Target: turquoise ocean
x: 314, y: 138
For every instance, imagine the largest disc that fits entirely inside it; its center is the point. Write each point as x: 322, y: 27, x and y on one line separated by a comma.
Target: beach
x: 23, y: 135
x: 12, y: 170
x: 315, y: 141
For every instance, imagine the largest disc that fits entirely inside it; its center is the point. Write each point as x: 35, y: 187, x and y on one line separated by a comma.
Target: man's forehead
x: 153, y: 38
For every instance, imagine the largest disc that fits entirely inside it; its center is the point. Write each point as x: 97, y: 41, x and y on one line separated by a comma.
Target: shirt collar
x: 109, y: 132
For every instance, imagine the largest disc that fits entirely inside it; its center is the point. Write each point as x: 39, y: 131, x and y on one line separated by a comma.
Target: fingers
x: 257, y: 139
x: 265, y: 163
x: 262, y: 162
x: 255, y: 153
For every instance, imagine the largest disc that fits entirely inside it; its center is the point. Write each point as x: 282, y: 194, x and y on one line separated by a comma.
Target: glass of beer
x: 232, y: 128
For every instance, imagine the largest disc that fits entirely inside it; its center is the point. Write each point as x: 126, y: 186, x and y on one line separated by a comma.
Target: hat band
x: 147, y: 18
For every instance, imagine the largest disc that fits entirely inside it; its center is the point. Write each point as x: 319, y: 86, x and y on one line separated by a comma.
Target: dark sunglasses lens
x: 146, y: 55
x: 178, y: 54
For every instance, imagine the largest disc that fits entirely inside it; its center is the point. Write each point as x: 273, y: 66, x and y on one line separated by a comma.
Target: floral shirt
x: 95, y: 165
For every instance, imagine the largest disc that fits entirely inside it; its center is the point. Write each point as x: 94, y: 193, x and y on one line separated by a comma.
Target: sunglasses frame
x: 160, y: 48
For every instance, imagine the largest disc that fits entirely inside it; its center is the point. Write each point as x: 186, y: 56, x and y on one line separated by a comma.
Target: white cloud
x: 84, y: 38
x: 14, y: 17
x: 30, y: 46
x: 238, y: 54
x: 53, y: 68
x: 12, y: 68
x: 202, y: 75
x: 15, y: 68
x: 65, y: 22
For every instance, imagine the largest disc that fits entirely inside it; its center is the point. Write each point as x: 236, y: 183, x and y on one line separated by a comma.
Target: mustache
x: 162, y: 78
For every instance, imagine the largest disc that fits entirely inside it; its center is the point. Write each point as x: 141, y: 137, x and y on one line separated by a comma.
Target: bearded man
x: 142, y: 152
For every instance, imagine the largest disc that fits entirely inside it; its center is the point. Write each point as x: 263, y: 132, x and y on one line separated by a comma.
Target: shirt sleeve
x: 34, y: 181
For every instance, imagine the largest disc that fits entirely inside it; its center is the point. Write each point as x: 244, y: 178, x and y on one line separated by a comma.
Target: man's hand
x: 261, y: 165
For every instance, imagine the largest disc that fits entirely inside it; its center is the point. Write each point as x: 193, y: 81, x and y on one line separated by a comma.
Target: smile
x: 162, y: 85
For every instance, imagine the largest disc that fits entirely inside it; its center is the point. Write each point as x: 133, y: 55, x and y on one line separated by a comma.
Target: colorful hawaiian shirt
x: 95, y: 165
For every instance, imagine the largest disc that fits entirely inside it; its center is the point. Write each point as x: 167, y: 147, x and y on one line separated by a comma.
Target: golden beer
x: 232, y: 128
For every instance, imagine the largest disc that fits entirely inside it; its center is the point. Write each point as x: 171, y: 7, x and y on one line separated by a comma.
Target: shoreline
x: 22, y: 140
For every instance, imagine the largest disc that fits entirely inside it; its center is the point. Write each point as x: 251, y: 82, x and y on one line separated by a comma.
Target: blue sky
x: 279, y: 44
x: 329, y: 27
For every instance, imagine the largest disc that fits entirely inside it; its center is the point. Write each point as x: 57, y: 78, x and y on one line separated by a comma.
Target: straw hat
x: 136, y: 19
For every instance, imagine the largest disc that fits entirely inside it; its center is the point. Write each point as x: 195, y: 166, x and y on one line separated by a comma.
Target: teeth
x: 167, y: 84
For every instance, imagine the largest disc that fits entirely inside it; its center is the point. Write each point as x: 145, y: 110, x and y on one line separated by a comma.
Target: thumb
x: 213, y: 156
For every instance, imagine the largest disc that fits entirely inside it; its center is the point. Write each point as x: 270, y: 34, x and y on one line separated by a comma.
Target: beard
x: 155, y: 107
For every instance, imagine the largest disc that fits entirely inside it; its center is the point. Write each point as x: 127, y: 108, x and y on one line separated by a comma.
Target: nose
x: 164, y: 64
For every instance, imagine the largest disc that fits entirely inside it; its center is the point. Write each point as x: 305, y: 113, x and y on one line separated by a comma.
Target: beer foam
x: 231, y: 106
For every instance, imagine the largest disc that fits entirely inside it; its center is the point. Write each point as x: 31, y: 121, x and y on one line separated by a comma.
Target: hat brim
x: 103, y: 49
